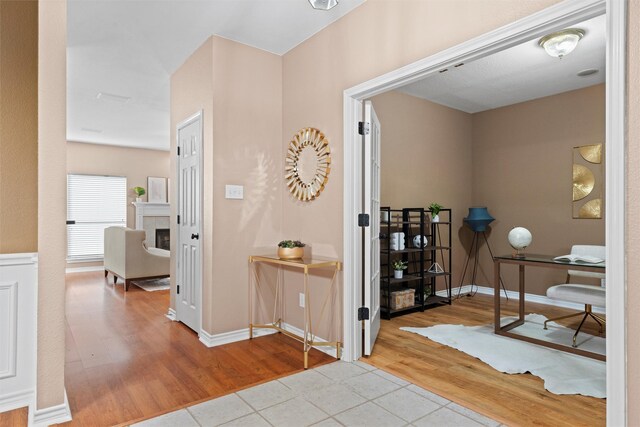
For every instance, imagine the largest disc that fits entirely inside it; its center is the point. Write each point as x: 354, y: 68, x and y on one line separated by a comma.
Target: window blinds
x: 93, y: 203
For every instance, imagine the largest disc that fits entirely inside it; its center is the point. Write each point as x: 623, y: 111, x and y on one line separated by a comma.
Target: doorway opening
x: 533, y: 27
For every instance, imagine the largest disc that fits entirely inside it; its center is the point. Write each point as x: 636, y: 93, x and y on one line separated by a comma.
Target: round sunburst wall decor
x: 307, y: 164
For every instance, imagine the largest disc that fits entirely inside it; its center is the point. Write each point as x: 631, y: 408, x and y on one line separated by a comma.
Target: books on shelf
x: 583, y: 259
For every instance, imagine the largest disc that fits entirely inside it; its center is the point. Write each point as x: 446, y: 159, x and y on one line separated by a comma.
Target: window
x: 93, y: 204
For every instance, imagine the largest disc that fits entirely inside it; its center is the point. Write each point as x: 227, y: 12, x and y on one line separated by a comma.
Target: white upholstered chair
x: 589, y: 295
x: 125, y: 256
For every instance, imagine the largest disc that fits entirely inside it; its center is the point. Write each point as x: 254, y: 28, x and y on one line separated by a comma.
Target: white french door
x: 372, y: 233
x: 189, y: 209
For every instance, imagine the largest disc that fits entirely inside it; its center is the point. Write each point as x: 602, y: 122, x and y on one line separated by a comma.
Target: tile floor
x: 336, y: 394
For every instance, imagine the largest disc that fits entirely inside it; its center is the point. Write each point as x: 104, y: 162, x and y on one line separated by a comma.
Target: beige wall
x: 18, y: 126
x: 522, y: 171
x: 52, y: 206
x: 377, y: 37
x: 134, y: 163
x: 426, y: 157
x: 633, y: 212
x: 240, y: 90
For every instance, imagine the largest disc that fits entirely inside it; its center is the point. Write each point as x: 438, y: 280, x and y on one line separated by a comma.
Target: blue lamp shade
x: 478, y: 219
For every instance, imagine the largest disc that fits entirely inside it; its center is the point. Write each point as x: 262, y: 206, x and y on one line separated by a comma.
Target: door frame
x: 550, y: 19
x: 199, y: 115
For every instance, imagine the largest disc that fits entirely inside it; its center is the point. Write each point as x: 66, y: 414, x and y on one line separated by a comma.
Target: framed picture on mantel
x: 157, y: 189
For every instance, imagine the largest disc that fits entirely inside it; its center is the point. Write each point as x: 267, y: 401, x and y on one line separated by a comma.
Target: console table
x: 308, y: 339
x: 532, y: 260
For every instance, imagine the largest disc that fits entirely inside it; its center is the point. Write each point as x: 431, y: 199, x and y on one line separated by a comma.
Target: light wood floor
x: 515, y: 400
x: 126, y: 361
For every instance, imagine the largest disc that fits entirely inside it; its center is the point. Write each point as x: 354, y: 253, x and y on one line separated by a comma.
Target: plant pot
x: 138, y: 199
x: 290, y: 253
x: 397, y: 274
x: 435, y: 218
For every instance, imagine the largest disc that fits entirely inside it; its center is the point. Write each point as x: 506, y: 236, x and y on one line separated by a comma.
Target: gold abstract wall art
x: 307, y: 164
x: 588, y: 180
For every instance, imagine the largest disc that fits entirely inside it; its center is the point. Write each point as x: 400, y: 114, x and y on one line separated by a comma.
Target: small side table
x: 308, y: 339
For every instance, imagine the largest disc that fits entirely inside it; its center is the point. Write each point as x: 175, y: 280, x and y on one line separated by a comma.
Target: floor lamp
x: 477, y: 220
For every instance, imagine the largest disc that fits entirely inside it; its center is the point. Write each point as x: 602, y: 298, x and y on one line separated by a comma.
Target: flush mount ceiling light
x: 323, y: 4
x: 562, y: 42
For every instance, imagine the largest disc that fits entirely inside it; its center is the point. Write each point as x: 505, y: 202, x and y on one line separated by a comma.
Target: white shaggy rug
x: 562, y: 373
x: 151, y: 285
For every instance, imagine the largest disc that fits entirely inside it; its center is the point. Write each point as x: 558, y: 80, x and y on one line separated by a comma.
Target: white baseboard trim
x: 538, y: 299
x: 331, y: 351
x: 9, y: 402
x: 243, y: 334
x: 84, y: 269
x: 232, y: 336
x: 171, y: 314
x: 53, y: 415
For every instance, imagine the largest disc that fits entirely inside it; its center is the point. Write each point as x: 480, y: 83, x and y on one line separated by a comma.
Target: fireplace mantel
x: 149, y: 209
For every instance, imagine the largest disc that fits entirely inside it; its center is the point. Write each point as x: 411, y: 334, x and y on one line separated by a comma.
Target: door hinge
x: 363, y: 313
x: 363, y: 220
x: 178, y: 147
x: 178, y: 291
x: 363, y: 128
x: 178, y: 219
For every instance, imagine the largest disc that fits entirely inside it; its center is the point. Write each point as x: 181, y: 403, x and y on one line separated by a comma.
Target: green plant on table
x: 139, y: 191
x: 435, y: 208
x: 399, y: 265
x: 291, y: 244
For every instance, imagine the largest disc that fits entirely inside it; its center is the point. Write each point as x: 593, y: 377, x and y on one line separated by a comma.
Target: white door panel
x: 372, y: 233
x: 189, y: 228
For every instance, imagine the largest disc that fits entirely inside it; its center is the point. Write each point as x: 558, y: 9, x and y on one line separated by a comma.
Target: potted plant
x: 398, y: 267
x: 291, y: 249
x: 139, y: 192
x: 435, y: 209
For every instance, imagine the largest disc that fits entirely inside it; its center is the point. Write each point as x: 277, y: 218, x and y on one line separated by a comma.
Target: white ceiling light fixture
x: 561, y: 43
x: 323, y: 4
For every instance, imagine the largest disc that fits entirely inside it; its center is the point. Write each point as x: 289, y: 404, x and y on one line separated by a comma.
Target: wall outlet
x: 301, y: 302
x: 234, y: 192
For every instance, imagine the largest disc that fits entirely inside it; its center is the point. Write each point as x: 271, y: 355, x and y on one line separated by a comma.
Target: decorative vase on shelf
x: 435, y: 218
x: 138, y: 199
x: 290, y: 253
x: 397, y: 274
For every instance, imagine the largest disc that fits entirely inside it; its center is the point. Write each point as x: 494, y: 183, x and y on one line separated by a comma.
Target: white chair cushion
x: 581, y: 294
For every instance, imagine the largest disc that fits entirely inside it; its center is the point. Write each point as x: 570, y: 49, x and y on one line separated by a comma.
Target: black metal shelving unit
x: 425, y: 284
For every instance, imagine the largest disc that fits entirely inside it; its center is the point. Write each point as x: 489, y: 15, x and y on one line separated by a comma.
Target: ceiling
x: 127, y: 50
x: 518, y: 74
x: 121, y: 54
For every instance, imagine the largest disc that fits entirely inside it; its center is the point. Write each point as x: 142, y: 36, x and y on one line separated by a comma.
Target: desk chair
x: 589, y: 295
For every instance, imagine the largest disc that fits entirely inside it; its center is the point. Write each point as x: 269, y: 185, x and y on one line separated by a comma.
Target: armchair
x: 125, y: 256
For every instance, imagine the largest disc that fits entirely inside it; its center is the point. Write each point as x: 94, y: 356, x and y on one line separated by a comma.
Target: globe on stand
x: 519, y: 238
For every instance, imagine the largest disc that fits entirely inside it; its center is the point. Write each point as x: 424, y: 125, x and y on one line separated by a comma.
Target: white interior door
x: 372, y: 233
x: 188, y: 253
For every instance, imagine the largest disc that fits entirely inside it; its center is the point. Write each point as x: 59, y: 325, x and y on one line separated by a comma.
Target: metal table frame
x: 308, y: 339
x: 545, y: 261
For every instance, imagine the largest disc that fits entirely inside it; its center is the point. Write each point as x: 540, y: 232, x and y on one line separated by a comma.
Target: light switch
x: 234, y: 192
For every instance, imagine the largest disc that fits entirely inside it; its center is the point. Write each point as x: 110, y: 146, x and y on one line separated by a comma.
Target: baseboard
x: 243, y: 334
x: 232, y: 336
x: 171, y: 314
x: 84, y: 269
x: 53, y: 414
x: 538, y: 299
x: 9, y: 402
x: 331, y: 351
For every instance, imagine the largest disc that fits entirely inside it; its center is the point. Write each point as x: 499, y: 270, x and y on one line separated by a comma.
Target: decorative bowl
x: 290, y: 253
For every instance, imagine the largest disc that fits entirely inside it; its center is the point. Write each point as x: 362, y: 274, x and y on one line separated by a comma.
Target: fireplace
x: 162, y: 238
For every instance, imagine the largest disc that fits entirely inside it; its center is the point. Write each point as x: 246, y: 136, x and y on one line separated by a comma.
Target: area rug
x: 153, y: 284
x: 562, y: 373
